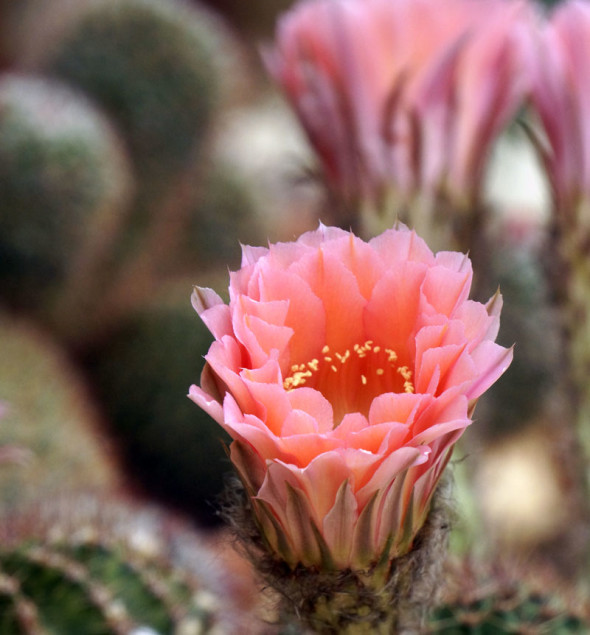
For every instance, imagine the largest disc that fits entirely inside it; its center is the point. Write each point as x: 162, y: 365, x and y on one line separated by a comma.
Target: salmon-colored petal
x: 361, y: 260
x: 380, y: 437
x: 211, y: 406
x: 340, y: 294
x: 391, y: 314
x: 315, y: 404
x: 445, y: 290
x: 339, y: 524
x: 491, y: 360
x: 395, y: 408
x: 305, y: 309
x: 352, y: 422
x: 204, y: 298
x: 251, y: 255
x: 298, y: 422
x: 272, y: 402
x: 401, y: 245
x: 306, y: 447
x: 320, y: 481
x: 392, y: 465
x: 478, y: 324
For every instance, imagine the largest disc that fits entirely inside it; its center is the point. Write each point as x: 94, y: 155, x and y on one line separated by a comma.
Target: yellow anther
x: 405, y: 372
x: 342, y: 358
x: 391, y: 355
x: 301, y: 372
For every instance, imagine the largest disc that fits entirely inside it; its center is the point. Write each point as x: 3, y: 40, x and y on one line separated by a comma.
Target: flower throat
x: 350, y: 380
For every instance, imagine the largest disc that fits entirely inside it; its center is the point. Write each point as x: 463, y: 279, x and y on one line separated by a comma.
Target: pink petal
x: 338, y: 525
x: 341, y: 298
x: 211, y: 406
x: 391, y: 314
x: 315, y: 404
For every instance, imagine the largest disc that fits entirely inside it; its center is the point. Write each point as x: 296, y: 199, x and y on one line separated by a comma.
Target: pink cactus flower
x: 561, y: 97
x: 401, y: 96
x: 345, y: 371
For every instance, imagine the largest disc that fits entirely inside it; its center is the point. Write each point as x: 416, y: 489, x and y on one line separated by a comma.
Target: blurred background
x: 140, y: 143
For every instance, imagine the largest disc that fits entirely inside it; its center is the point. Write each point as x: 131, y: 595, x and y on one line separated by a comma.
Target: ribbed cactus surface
x: 93, y: 588
x: 497, y: 603
x: 82, y: 565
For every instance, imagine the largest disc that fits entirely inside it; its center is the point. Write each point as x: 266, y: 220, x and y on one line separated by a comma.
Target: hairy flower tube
x: 344, y: 372
x: 402, y: 96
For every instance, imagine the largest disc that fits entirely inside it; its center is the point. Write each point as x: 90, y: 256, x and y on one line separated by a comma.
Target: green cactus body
x: 50, y: 414
x: 503, y: 604
x: 142, y: 376
x: 148, y: 63
x: 223, y: 217
x: 63, y: 178
x: 95, y: 581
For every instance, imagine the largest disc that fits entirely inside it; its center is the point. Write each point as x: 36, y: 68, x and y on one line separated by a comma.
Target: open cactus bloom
x: 345, y: 371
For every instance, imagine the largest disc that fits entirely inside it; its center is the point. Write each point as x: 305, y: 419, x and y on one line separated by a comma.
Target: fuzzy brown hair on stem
x: 391, y: 596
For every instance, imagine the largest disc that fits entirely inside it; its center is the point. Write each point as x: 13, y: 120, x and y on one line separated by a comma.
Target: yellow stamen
x: 300, y: 373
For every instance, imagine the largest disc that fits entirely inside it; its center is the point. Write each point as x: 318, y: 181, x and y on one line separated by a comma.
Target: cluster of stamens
x: 300, y: 373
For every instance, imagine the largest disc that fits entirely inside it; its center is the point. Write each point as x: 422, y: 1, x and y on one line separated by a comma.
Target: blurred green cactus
x: 159, y: 70
x: 149, y: 64
x: 63, y: 178
x: 224, y: 215
x: 49, y: 413
x: 498, y: 603
x: 520, y: 396
x: 86, y: 565
x: 142, y: 376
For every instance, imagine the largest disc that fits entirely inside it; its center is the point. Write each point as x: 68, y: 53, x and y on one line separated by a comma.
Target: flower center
x: 350, y: 380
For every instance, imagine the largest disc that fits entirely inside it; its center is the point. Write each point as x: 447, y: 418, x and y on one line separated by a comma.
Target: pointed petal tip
x: 204, y: 298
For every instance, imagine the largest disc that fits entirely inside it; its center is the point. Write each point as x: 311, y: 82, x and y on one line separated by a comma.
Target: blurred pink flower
x: 561, y: 97
x: 345, y: 371
x: 401, y: 96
